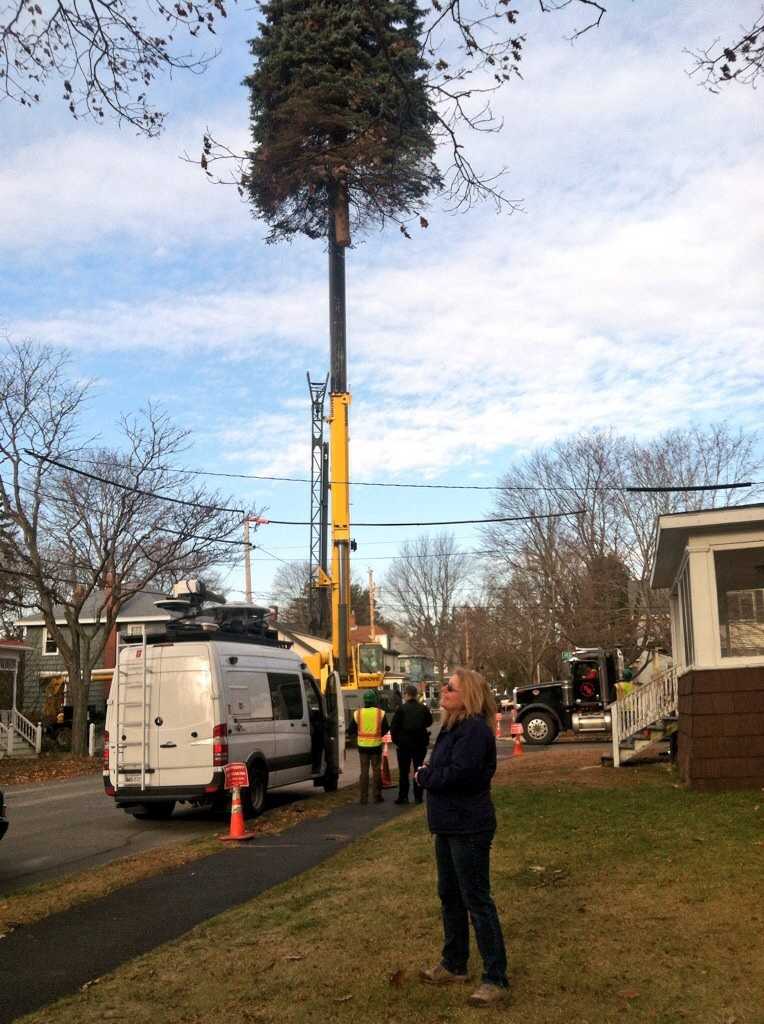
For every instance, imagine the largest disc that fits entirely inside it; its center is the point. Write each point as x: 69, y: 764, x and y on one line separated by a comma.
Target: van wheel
x: 330, y: 783
x: 254, y: 798
x: 154, y: 811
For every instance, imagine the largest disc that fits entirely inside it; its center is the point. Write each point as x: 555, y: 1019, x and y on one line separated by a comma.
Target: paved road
x: 65, y: 827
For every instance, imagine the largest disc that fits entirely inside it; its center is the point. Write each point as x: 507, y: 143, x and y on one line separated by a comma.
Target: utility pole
x: 247, y: 563
x: 372, y: 608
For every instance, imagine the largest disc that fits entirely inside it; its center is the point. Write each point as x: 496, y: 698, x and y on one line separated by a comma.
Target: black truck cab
x: 578, y: 702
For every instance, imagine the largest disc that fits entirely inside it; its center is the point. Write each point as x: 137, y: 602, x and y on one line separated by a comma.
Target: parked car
x: 3, y: 819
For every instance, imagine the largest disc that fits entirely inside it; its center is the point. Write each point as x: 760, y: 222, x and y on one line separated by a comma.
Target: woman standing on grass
x: 461, y: 816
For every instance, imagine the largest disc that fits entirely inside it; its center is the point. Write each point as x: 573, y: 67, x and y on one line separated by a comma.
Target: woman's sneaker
x: 488, y: 995
x: 439, y: 975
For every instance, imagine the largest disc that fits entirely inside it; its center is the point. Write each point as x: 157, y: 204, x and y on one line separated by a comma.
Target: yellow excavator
x: 359, y: 666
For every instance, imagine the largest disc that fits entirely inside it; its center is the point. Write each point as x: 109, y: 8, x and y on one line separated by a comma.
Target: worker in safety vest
x: 371, y: 724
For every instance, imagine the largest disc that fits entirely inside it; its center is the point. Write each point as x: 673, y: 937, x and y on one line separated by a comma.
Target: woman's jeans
x: 464, y: 888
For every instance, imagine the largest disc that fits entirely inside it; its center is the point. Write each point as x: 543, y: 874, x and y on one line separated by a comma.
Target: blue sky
x: 627, y: 293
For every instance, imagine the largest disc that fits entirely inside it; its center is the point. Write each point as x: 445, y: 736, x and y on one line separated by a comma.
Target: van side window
x: 286, y: 694
x: 250, y: 696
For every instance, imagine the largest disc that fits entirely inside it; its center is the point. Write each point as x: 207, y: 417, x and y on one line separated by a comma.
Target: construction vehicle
x: 579, y: 702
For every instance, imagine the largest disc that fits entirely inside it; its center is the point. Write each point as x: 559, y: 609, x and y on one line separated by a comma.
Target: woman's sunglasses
x: 450, y: 688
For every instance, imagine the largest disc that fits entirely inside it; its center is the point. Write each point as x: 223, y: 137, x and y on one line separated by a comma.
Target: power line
x: 130, y: 488
x: 443, y: 522
x: 159, y: 529
x: 551, y: 488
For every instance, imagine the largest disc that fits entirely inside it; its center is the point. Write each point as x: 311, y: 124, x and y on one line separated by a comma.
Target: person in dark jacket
x: 409, y: 734
x: 461, y: 816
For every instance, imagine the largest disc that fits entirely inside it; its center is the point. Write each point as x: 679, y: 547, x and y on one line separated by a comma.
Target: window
x: 371, y: 658
x: 685, y: 615
x: 49, y: 645
x: 740, y: 600
x: 286, y: 694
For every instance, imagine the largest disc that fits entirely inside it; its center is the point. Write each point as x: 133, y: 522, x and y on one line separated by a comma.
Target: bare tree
x: 104, y: 56
x: 590, y: 573
x: 290, y: 591
x: 93, y: 538
x: 423, y: 586
x: 740, y: 60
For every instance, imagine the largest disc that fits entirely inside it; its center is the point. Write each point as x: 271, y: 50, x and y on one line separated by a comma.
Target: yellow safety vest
x: 369, y: 722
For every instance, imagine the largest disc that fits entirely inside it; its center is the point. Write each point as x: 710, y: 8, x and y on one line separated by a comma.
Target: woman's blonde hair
x: 477, y: 699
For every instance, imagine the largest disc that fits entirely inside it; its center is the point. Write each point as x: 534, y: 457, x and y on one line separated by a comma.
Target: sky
x: 626, y: 293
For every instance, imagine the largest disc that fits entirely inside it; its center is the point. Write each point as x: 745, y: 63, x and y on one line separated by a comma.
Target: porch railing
x: 27, y: 730
x: 12, y: 722
x: 646, y: 705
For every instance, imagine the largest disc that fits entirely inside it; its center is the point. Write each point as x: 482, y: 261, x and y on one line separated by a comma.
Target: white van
x: 180, y: 709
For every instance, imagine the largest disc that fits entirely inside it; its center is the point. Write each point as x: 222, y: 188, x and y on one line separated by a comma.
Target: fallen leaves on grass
x: 295, y: 956
x: 344, y: 999
x: 629, y: 993
x: 26, y: 771
x: 396, y: 978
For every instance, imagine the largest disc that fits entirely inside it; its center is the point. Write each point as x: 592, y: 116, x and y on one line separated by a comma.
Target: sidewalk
x: 56, y: 956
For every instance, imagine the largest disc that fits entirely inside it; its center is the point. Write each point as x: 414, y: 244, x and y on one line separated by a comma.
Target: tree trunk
x: 79, y: 669
x: 342, y: 215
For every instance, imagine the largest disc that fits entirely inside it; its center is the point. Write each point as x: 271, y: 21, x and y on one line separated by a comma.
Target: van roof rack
x: 240, y: 622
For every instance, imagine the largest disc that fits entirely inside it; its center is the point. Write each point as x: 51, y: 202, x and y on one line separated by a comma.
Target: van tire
x: 159, y: 811
x: 254, y: 798
x: 330, y: 783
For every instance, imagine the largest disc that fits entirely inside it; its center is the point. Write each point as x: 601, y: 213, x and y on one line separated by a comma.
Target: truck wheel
x: 159, y: 811
x: 254, y: 798
x: 539, y: 728
x: 64, y: 738
x: 330, y: 783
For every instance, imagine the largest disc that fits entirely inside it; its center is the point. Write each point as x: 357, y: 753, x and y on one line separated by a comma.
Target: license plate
x: 132, y: 780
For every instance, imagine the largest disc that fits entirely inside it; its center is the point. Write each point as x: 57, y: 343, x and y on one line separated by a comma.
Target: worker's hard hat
x: 369, y: 699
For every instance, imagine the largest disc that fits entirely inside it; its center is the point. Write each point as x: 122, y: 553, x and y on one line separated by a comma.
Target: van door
x: 133, y: 703
x: 250, y: 710
x: 291, y: 729
x: 181, y: 733
x: 335, y: 724
x: 317, y: 723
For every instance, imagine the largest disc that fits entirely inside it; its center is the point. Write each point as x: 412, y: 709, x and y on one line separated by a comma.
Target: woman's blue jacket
x: 458, y: 779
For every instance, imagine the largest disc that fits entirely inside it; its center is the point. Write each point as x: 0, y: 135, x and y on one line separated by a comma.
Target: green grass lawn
x: 636, y: 904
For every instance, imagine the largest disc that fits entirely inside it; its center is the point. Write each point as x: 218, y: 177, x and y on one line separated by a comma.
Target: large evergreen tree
x: 341, y: 116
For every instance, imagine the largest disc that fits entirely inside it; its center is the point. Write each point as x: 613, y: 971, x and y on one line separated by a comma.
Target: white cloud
x: 628, y: 294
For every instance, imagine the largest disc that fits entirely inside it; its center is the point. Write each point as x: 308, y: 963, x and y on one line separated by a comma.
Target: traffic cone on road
x: 237, y: 830
x: 498, y: 727
x: 517, y: 749
x: 387, y: 779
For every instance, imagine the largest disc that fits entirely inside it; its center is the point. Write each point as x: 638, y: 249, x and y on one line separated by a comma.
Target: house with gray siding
x: 44, y: 675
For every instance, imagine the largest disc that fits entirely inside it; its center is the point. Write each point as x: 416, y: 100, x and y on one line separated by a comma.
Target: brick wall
x: 721, y: 728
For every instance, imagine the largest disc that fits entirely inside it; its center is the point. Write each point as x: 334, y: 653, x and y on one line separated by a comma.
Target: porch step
x: 19, y: 747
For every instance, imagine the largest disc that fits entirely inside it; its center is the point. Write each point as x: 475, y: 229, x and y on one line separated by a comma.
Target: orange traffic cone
x: 238, y: 832
x: 387, y: 779
x: 517, y: 750
x: 498, y: 727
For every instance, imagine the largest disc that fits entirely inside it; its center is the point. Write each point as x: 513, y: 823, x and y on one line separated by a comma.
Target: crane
x: 358, y: 665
